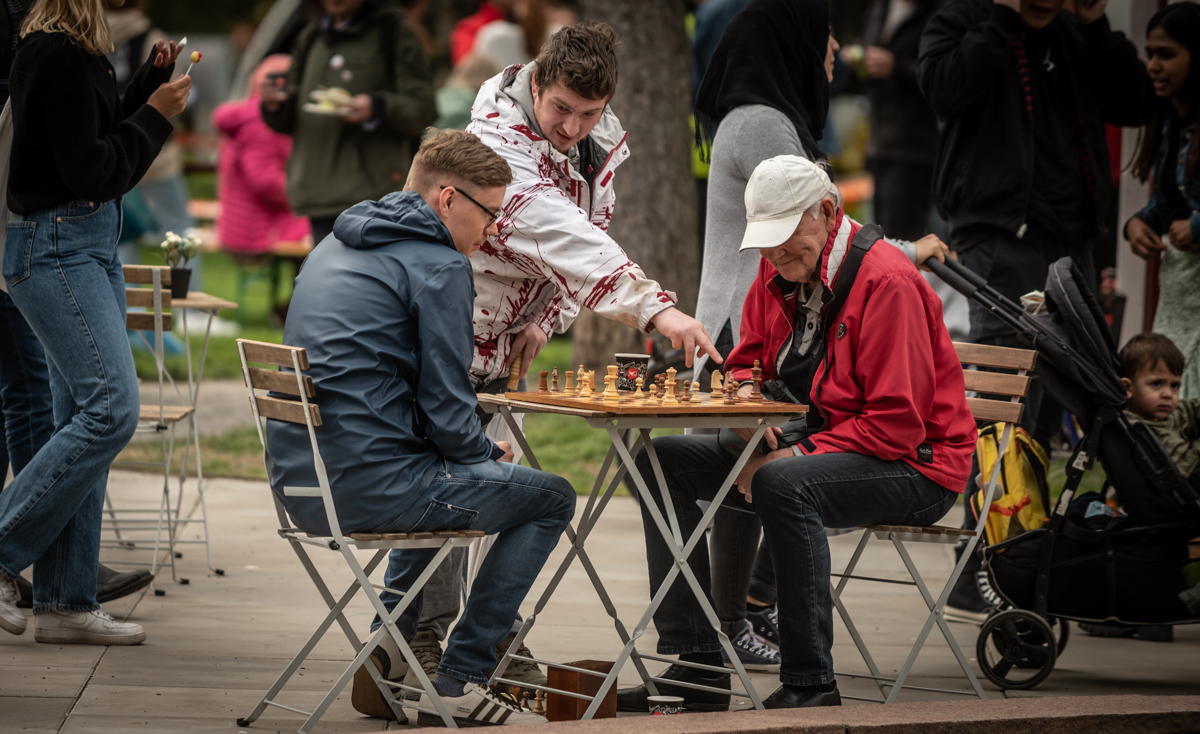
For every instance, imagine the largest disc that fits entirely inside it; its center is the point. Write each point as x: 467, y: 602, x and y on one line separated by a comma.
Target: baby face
x: 1153, y: 392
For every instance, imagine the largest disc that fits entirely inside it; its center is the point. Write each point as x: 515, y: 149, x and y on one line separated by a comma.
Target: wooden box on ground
x: 565, y: 708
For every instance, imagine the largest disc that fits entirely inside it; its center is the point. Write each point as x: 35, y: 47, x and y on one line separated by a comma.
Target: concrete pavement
x: 215, y: 645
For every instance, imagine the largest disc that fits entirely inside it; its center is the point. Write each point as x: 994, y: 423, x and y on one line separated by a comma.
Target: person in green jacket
x: 361, y: 57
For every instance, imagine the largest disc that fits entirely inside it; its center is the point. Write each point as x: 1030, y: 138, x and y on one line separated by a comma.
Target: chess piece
x: 716, y: 386
x: 515, y: 692
x: 756, y: 395
x: 610, y: 385
x: 570, y: 388
x: 554, y: 380
x: 730, y: 392
x: 686, y: 395
x: 525, y: 700
x: 542, y: 389
x: 580, y: 379
x: 638, y: 394
x: 585, y: 389
x: 539, y: 704
x: 514, y: 372
x: 670, y: 398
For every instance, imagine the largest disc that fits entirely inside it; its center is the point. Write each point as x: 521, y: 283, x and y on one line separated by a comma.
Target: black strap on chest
x: 859, y: 246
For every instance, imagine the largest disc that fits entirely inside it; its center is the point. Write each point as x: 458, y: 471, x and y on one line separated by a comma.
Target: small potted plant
x: 176, y: 252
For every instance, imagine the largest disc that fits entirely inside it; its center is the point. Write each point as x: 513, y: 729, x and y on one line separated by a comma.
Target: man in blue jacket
x: 384, y: 310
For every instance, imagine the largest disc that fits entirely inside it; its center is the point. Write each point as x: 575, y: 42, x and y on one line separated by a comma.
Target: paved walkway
x: 217, y: 643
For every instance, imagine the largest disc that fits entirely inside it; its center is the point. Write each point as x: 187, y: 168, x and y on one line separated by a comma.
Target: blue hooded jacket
x: 384, y: 309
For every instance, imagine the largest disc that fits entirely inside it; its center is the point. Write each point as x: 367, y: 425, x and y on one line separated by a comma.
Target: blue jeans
x: 796, y: 499
x: 63, y: 273
x: 528, y: 508
x: 28, y: 410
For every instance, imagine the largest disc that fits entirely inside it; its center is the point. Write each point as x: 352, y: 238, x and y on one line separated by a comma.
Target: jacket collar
x: 832, y: 256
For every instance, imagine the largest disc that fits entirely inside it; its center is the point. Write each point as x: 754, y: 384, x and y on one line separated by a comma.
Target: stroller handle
x: 955, y: 276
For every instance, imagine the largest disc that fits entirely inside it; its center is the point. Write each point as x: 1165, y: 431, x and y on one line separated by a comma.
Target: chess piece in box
x: 566, y: 708
x: 542, y: 389
x: 756, y: 395
x: 670, y: 398
x: 610, y: 385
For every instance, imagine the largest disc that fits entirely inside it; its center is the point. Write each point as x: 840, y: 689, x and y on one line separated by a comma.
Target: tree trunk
x: 655, y: 217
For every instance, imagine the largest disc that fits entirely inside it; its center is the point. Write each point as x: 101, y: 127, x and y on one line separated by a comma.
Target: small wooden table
x: 617, y: 419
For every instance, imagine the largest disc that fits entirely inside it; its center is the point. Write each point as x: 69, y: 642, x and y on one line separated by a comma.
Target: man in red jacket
x: 888, y: 438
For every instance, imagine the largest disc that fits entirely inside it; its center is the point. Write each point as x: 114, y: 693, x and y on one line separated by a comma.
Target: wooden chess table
x: 628, y: 422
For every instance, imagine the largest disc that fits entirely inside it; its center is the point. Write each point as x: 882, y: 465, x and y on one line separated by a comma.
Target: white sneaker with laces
x: 85, y: 628
x: 481, y: 706
x: 12, y: 619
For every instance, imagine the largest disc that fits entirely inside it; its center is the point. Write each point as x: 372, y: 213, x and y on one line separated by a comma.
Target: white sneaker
x: 11, y: 619
x: 481, y: 706
x: 85, y: 628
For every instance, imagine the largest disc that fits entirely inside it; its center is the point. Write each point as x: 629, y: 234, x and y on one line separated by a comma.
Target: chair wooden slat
x: 283, y: 382
x: 276, y: 354
x: 142, y: 274
x: 144, y: 321
x: 995, y: 410
x: 287, y: 410
x: 170, y: 413
x: 997, y: 383
x: 144, y: 298
x: 984, y: 355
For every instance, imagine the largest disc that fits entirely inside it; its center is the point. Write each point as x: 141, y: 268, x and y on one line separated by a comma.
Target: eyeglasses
x: 492, y: 215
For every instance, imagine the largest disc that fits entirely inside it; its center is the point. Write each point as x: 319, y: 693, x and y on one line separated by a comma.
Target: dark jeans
x: 902, y: 198
x: 741, y: 567
x: 796, y: 499
x: 26, y: 406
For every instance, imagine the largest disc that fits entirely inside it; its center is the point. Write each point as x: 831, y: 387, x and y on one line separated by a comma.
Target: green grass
x: 1093, y: 481
x: 236, y: 453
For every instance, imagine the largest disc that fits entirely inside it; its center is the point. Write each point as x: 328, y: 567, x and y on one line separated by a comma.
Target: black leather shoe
x: 26, y: 589
x: 635, y: 699
x: 802, y: 697
x: 112, y: 584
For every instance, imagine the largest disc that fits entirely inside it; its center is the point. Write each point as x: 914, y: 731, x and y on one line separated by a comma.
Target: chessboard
x: 702, y: 403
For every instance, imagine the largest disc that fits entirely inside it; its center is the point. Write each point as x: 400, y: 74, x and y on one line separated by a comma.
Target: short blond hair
x: 82, y: 20
x: 450, y: 157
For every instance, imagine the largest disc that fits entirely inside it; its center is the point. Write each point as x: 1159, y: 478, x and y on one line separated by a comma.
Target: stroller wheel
x: 1016, y: 649
x: 1063, y: 628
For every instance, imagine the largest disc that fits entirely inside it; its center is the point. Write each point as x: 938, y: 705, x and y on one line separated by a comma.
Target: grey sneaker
x: 754, y: 652
x: 522, y: 671
x: 428, y: 650
x: 482, y: 706
x: 11, y: 619
x: 86, y: 628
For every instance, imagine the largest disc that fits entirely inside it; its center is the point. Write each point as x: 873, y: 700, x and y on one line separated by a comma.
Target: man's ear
x: 829, y: 211
x: 1128, y: 383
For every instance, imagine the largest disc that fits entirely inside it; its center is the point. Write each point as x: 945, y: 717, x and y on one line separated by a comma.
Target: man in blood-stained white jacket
x: 553, y: 253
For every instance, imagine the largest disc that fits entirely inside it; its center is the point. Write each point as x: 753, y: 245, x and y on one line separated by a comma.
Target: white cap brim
x: 770, y: 233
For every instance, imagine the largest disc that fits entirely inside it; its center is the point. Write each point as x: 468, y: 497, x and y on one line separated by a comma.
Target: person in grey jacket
x: 384, y: 309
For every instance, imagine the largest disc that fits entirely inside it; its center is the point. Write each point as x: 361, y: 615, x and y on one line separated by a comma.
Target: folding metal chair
x: 302, y: 409
x: 1012, y: 386
x: 133, y: 533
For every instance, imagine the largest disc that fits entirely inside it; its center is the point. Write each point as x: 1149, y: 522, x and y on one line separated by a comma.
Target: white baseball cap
x: 778, y: 193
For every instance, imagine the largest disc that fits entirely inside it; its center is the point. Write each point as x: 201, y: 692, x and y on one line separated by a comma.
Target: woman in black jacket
x: 77, y: 148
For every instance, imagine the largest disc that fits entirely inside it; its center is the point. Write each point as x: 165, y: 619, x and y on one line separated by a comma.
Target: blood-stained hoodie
x: 553, y: 253
x: 890, y: 384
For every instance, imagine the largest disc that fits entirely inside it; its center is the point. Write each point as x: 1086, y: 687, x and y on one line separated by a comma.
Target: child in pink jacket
x: 251, y: 166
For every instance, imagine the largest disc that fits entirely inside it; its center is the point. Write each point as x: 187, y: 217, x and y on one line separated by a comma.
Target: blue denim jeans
x: 28, y: 409
x: 528, y: 508
x: 796, y: 499
x: 63, y: 273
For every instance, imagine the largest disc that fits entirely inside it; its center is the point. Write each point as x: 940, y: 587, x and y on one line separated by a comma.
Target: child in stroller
x: 1151, y: 368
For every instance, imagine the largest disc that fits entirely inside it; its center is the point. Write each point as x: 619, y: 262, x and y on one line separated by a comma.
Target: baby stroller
x: 1102, y: 569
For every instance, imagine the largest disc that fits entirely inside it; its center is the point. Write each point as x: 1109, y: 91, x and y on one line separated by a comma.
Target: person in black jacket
x: 1022, y: 90
x: 77, y: 147
x: 904, y: 136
